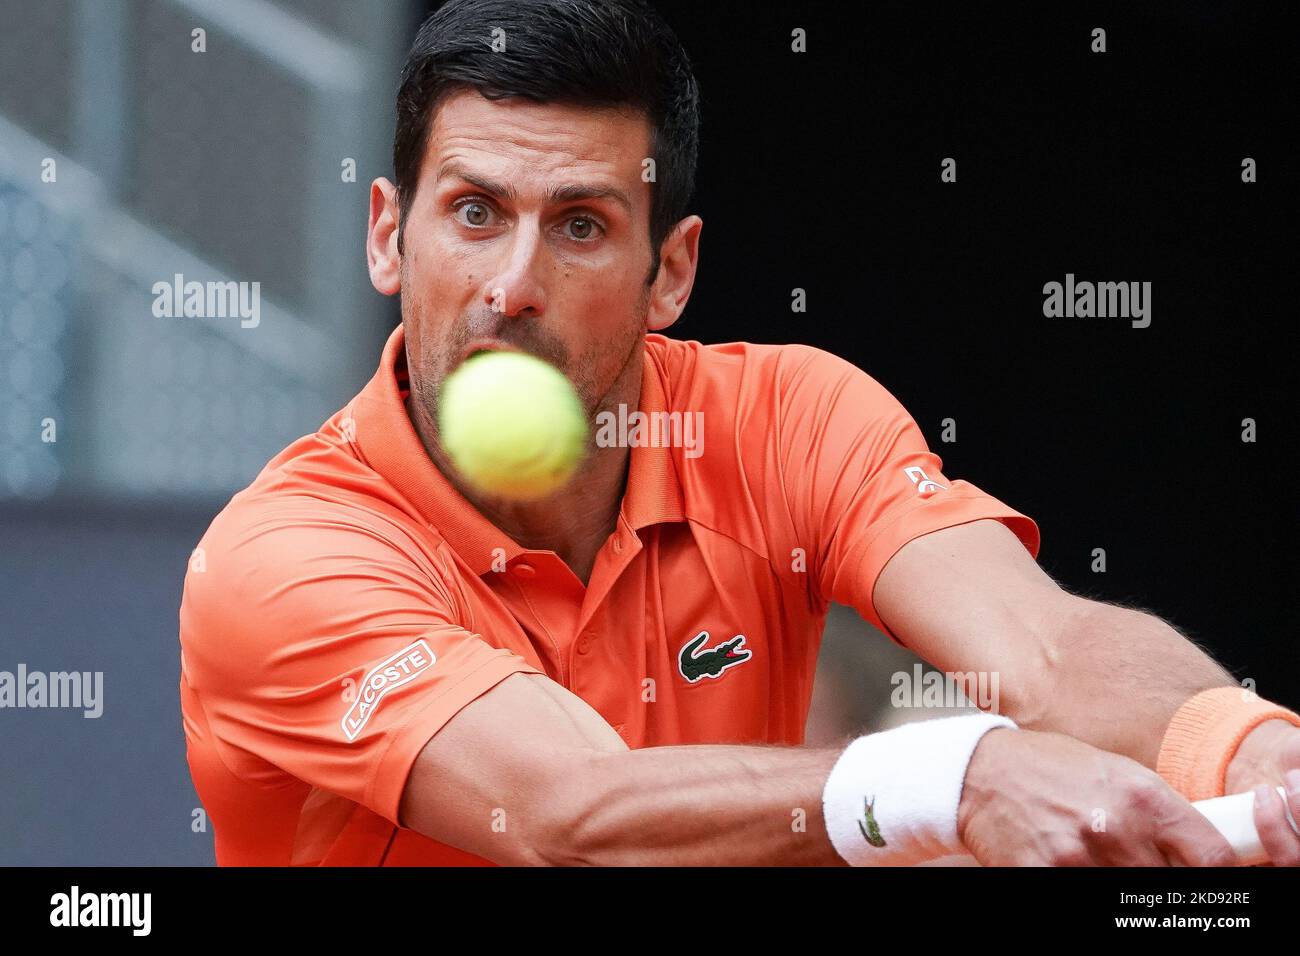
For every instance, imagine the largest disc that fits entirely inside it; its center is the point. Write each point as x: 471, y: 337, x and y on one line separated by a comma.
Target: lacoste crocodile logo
x: 713, y: 661
x: 871, y: 832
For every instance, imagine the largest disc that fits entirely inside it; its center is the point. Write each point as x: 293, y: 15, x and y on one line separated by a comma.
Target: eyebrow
x: 572, y: 192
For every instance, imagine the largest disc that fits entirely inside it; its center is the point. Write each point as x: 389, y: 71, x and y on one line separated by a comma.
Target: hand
x: 1267, y: 758
x: 1033, y: 799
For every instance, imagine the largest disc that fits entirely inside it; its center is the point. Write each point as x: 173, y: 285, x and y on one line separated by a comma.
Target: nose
x: 517, y: 290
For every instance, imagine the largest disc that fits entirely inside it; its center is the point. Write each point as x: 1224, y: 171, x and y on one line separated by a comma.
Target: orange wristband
x: 1203, y: 736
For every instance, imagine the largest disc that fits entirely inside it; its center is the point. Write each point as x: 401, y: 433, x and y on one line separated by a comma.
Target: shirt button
x: 524, y: 570
x: 584, y: 643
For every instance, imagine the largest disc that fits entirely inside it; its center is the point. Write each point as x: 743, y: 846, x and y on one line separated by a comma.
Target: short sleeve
x: 325, y: 645
x: 859, y: 480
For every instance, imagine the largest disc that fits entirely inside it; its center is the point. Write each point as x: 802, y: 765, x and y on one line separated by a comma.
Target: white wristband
x: 892, y: 797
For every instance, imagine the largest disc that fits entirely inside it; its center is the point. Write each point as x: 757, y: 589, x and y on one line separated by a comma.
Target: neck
x: 575, y: 521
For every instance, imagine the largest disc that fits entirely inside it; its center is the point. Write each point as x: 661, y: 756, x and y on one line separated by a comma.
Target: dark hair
x: 617, y: 53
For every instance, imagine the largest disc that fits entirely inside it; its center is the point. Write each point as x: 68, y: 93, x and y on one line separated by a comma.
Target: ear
x: 381, y: 239
x: 678, y: 258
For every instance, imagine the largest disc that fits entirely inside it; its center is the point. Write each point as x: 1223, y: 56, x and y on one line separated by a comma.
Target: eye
x: 581, y: 228
x: 477, y: 216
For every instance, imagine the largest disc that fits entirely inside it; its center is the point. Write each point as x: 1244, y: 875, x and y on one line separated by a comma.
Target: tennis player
x: 381, y: 666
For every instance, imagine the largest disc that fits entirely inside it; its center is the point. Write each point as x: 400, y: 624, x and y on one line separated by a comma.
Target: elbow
x: 573, y: 819
x: 1072, y: 639
x: 1035, y: 677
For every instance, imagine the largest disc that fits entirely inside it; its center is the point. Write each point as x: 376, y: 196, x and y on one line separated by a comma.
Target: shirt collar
x: 389, y: 444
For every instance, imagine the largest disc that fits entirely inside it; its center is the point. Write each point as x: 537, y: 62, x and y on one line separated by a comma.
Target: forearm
x: 699, y: 805
x: 1116, y: 679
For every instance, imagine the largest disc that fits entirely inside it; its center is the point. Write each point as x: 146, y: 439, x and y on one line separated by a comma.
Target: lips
x: 487, y: 345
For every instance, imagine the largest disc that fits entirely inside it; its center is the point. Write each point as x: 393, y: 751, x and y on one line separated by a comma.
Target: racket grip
x: 1234, y: 817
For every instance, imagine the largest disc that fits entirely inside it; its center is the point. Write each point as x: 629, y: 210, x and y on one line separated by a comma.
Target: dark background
x: 818, y: 171
x: 821, y: 171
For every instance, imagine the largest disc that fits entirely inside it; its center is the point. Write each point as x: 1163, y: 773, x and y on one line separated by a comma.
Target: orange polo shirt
x: 345, y: 606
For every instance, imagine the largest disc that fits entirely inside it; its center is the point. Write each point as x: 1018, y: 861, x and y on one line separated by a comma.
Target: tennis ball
x: 512, y: 425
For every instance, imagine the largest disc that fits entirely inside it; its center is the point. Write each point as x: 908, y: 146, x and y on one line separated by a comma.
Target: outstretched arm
x: 530, y: 774
x: 970, y: 597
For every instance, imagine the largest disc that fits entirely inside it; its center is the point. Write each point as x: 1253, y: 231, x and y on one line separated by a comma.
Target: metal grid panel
x: 37, y: 247
x: 221, y: 165
x: 185, y: 409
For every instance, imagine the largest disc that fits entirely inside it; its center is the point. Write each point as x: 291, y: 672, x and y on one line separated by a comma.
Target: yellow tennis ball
x: 512, y: 425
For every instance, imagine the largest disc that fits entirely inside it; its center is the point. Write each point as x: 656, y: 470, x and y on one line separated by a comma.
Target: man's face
x: 529, y: 230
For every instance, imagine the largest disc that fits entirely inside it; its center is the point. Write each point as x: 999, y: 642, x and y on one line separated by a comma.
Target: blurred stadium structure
x: 220, y: 166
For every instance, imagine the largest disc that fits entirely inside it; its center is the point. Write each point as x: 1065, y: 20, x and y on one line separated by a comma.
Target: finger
x: 1292, y: 783
x: 1149, y: 854
x: 1187, y: 838
x: 1157, y: 853
x: 1280, y: 842
x: 1128, y: 849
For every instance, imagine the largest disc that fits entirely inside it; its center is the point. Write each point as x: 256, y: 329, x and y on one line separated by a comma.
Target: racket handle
x: 1234, y: 817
